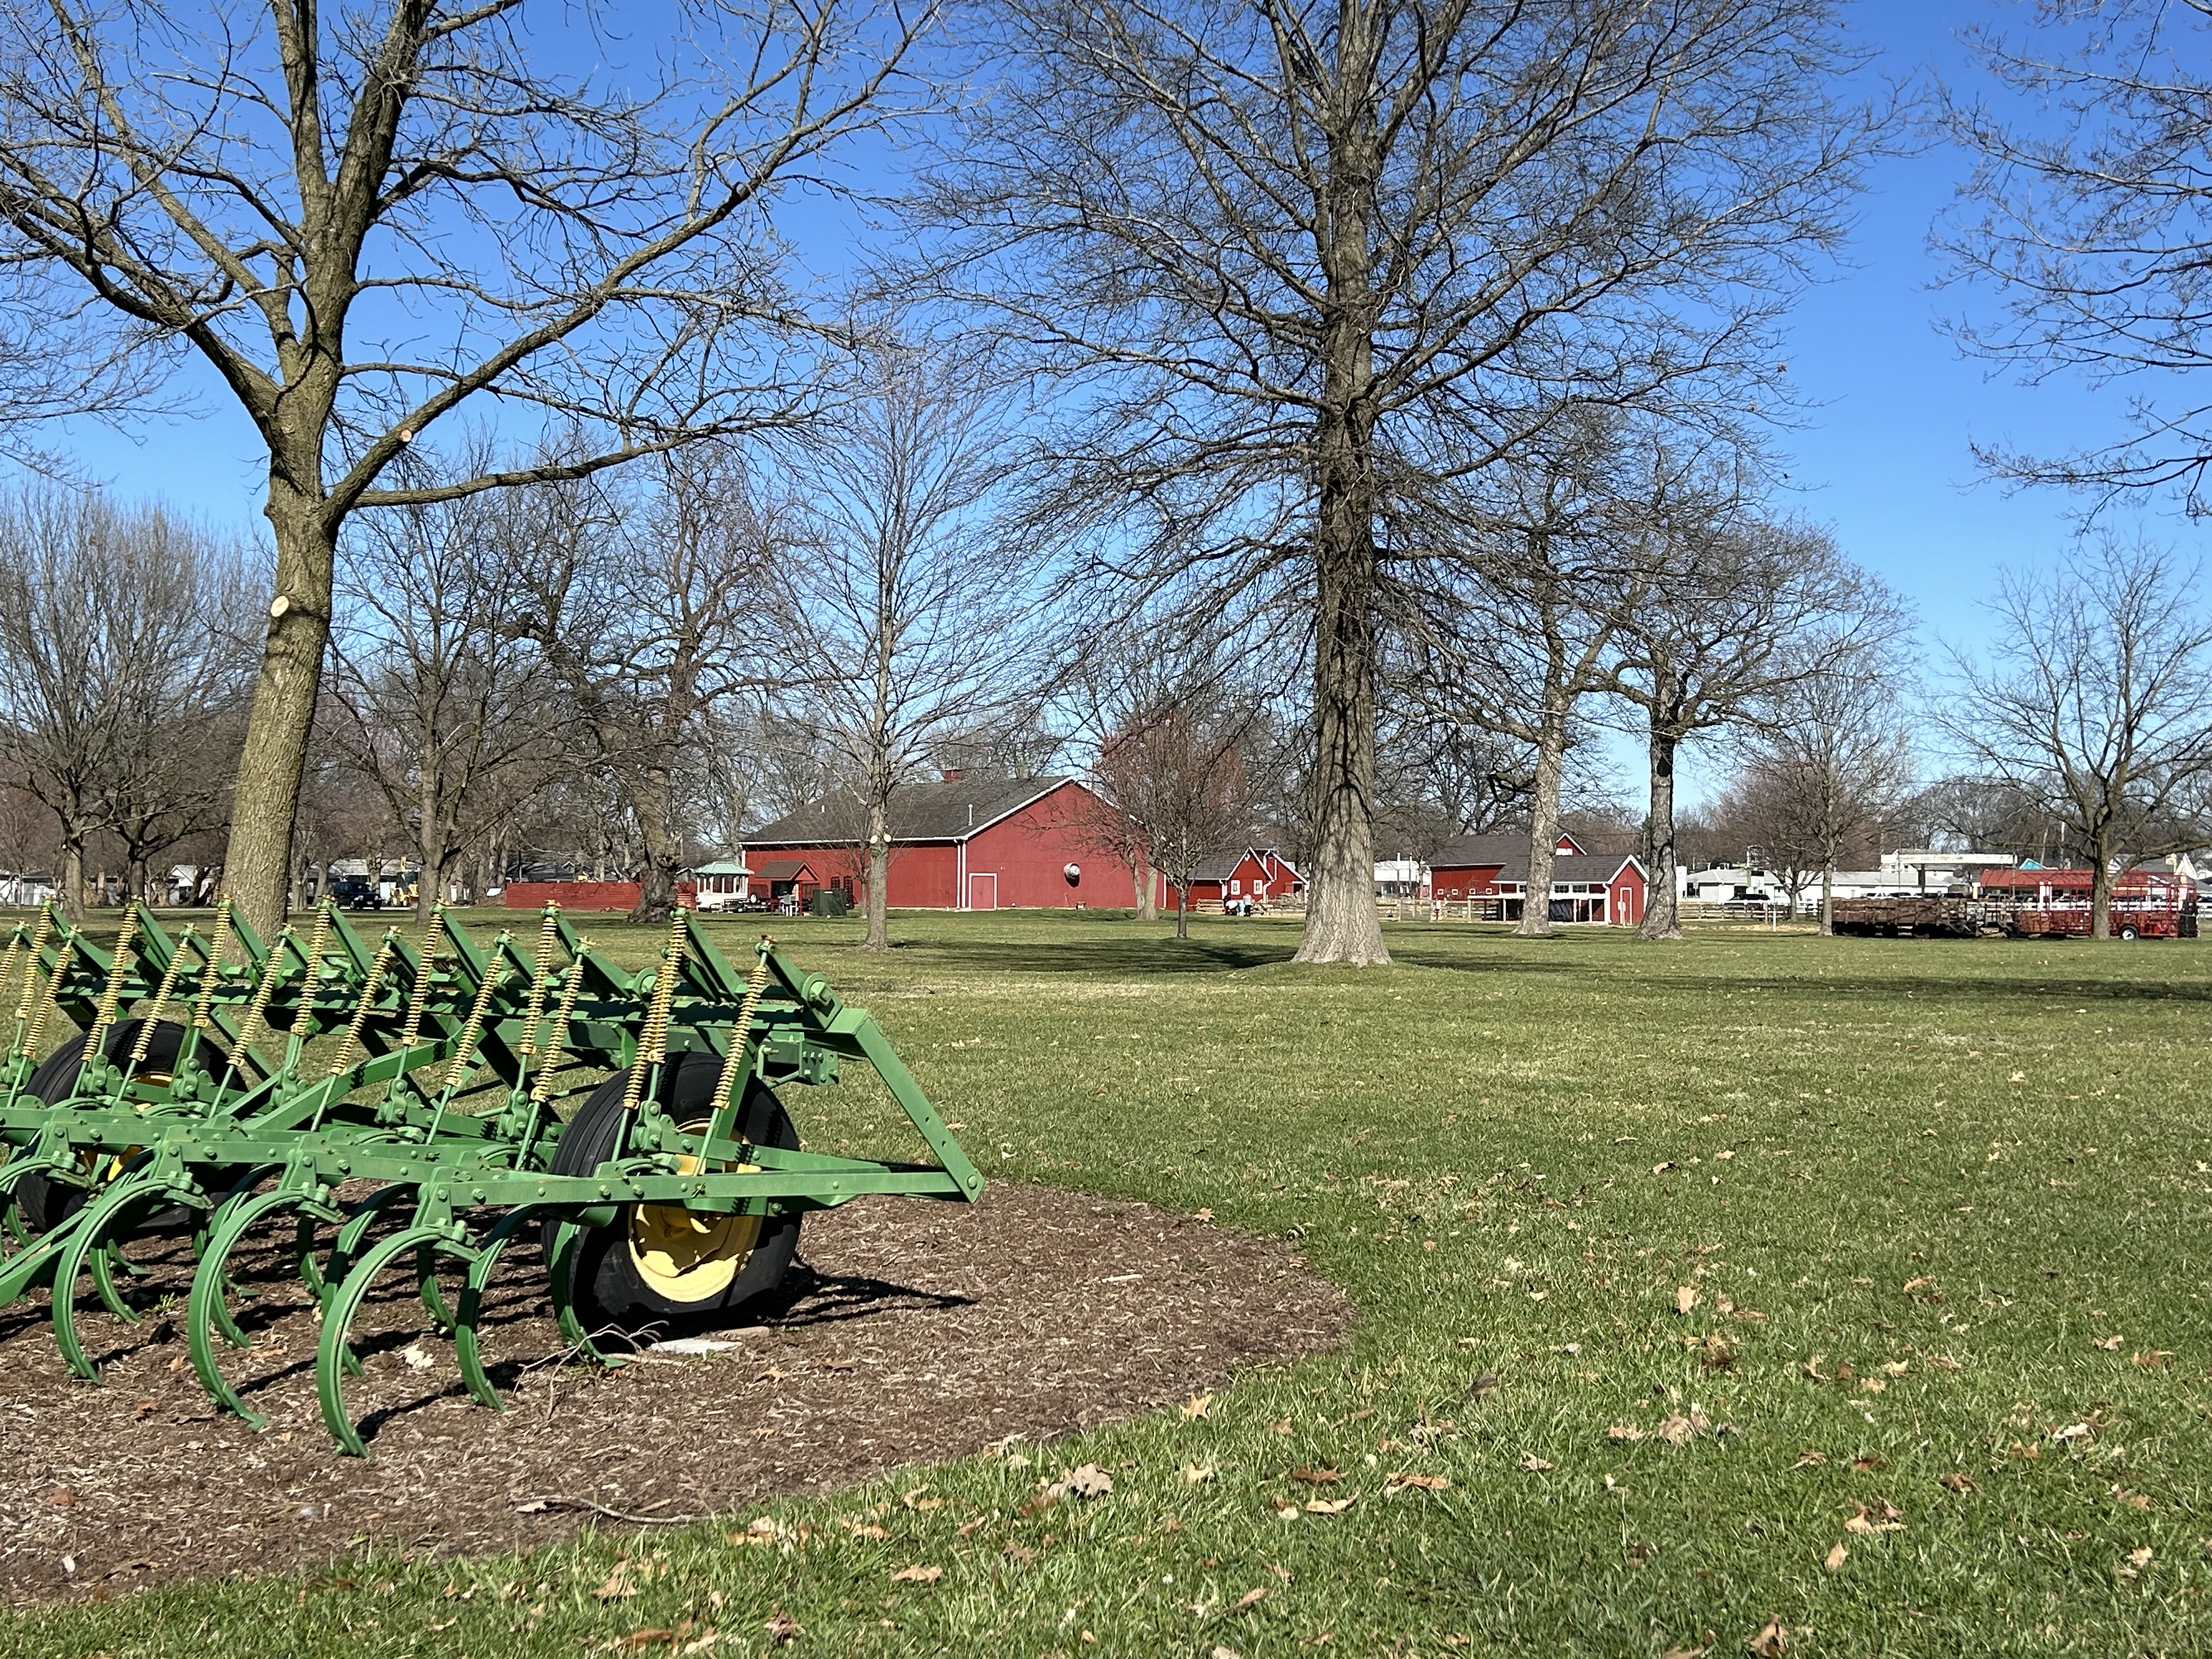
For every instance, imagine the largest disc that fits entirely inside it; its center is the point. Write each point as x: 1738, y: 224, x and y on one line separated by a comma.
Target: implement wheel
x: 43, y: 1203
x: 661, y: 1267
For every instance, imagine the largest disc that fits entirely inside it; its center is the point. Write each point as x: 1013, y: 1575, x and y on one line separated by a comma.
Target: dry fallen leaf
x: 782, y: 1627
x: 1676, y: 1429
x: 1866, y: 1525
x: 2139, y: 1558
x: 1532, y: 1464
x: 1624, y: 1432
x: 417, y: 1356
x: 1088, y: 1481
x: 2110, y: 1344
x: 1867, y: 1465
x: 918, y: 1574
x: 1251, y: 1598
x: 1329, y: 1505
x: 1197, y: 1406
x: 1810, y: 1460
x: 1690, y: 1653
x: 867, y: 1529
x: 1953, y: 1481
x: 1317, y: 1477
x: 1397, y: 1481
x: 1912, y: 1285
x: 619, y: 1587
x: 1686, y: 1297
x: 1202, y: 1215
x: 1194, y: 1473
x: 2150, y: 1358
x: 60, y: 1496
x: 1484, y: 1386
x: 1770, y: 1641
x: 1837, y: 1554
x: 1661, y: 1168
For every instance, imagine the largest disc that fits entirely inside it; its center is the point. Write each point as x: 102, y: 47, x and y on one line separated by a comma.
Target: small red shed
x: 1604, y: 890
x: 1260, y: 874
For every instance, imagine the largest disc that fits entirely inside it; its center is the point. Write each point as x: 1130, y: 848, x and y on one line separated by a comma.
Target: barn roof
x: 782, y: 869
x: 1506, y: 851
x: 920, y: 811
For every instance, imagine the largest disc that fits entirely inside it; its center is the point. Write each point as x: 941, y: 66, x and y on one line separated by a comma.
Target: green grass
x: 1467, y: 1143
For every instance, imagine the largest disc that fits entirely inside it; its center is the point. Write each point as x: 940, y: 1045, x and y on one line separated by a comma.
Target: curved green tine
x: 466, y: 1348
x: 205, y: 1311
x: 98, y: 1216
x: 432, y: 1295
x: 102, y: 1265
x: 561, y: 1282
x: 355, y: 1228
x: 310, y: 1270
x: 339, y: 1318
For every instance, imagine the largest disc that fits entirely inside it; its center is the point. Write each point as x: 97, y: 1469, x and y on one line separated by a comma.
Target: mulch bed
x: 911, y: 1331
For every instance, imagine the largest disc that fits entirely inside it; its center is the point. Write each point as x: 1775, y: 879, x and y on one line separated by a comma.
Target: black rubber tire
x: 42, y: 1203
x: 611, y: 1296
x: 2127, y: 933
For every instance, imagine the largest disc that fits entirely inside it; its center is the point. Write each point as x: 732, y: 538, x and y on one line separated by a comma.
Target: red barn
x: 1605, y: 889
x: 1257, y: 873
x: 987, y: 845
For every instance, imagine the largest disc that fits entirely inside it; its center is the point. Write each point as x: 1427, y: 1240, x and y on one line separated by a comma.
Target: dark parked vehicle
x: 356, y: 893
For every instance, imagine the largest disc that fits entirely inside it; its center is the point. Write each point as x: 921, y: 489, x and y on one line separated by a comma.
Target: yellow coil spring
x: 118, y: 969
x: 652, y: 1042
x: 218, y: 948
x: 39, y: 935
x: 37, y: 1034
x: 472, y: 1031
x: 319, y: 939
x: 559, y: 1037
x: 273, y: 971
x: 350, y: 1043
x: 161, y: 994
x: 541, y: 974
x: 418, y: 998
x: 734, y: 1062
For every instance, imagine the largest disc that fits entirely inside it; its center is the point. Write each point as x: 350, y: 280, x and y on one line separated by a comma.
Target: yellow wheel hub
x: 683, y: 1255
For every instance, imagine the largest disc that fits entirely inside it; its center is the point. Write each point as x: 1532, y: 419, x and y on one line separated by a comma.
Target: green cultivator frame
x: 627, y: 1122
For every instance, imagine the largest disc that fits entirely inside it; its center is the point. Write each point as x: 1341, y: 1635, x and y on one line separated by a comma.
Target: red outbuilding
x: 1260, y: 874
x: 1493, y: 871
x: 991, y: 844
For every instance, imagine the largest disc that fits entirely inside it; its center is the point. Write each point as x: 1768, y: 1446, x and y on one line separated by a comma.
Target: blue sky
x: 1883, y: 456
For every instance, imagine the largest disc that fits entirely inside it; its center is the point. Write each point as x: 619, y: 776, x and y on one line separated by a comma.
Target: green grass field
x: 1904, y: 1242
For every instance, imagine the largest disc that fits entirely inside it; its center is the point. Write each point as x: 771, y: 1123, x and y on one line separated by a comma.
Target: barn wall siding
x: 1030, y: 852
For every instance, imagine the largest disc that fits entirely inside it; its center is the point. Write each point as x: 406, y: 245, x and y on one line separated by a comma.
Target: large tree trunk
x: 1661, y: 918
x: 2100, y: 897
x: 1148, y: 899
x: 72, y: 882
x: 653, y: 801
x: 257, y: 867
x: 1544, y: 829
x: 1342, y: 924
x: 1828, y: 898
x: 430, y: 843
x: 879, y: 934
x: 1182, y: 913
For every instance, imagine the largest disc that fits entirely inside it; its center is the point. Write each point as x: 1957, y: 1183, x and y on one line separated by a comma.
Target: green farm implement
x: 425, y: 1107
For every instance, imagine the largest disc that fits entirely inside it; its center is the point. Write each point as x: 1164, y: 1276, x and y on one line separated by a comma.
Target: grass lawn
x: 1903, y: 1241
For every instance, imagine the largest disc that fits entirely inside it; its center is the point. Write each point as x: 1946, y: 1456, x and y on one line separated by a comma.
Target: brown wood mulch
x: 910, y: 1331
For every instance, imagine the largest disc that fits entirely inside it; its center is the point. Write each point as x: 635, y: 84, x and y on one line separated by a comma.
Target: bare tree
x: 1518, y: 632
x: 1177, y: 771
x: 2096, y: 704
x: 1292, y: 259
x: 119, y: 652
x: 1829, y: 763
x: 361, y: 219
x: 2087, y: 216
x: 442, y: 702
x: 907, y: 594
x: 655, y: 610
x: 1737, y: 610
